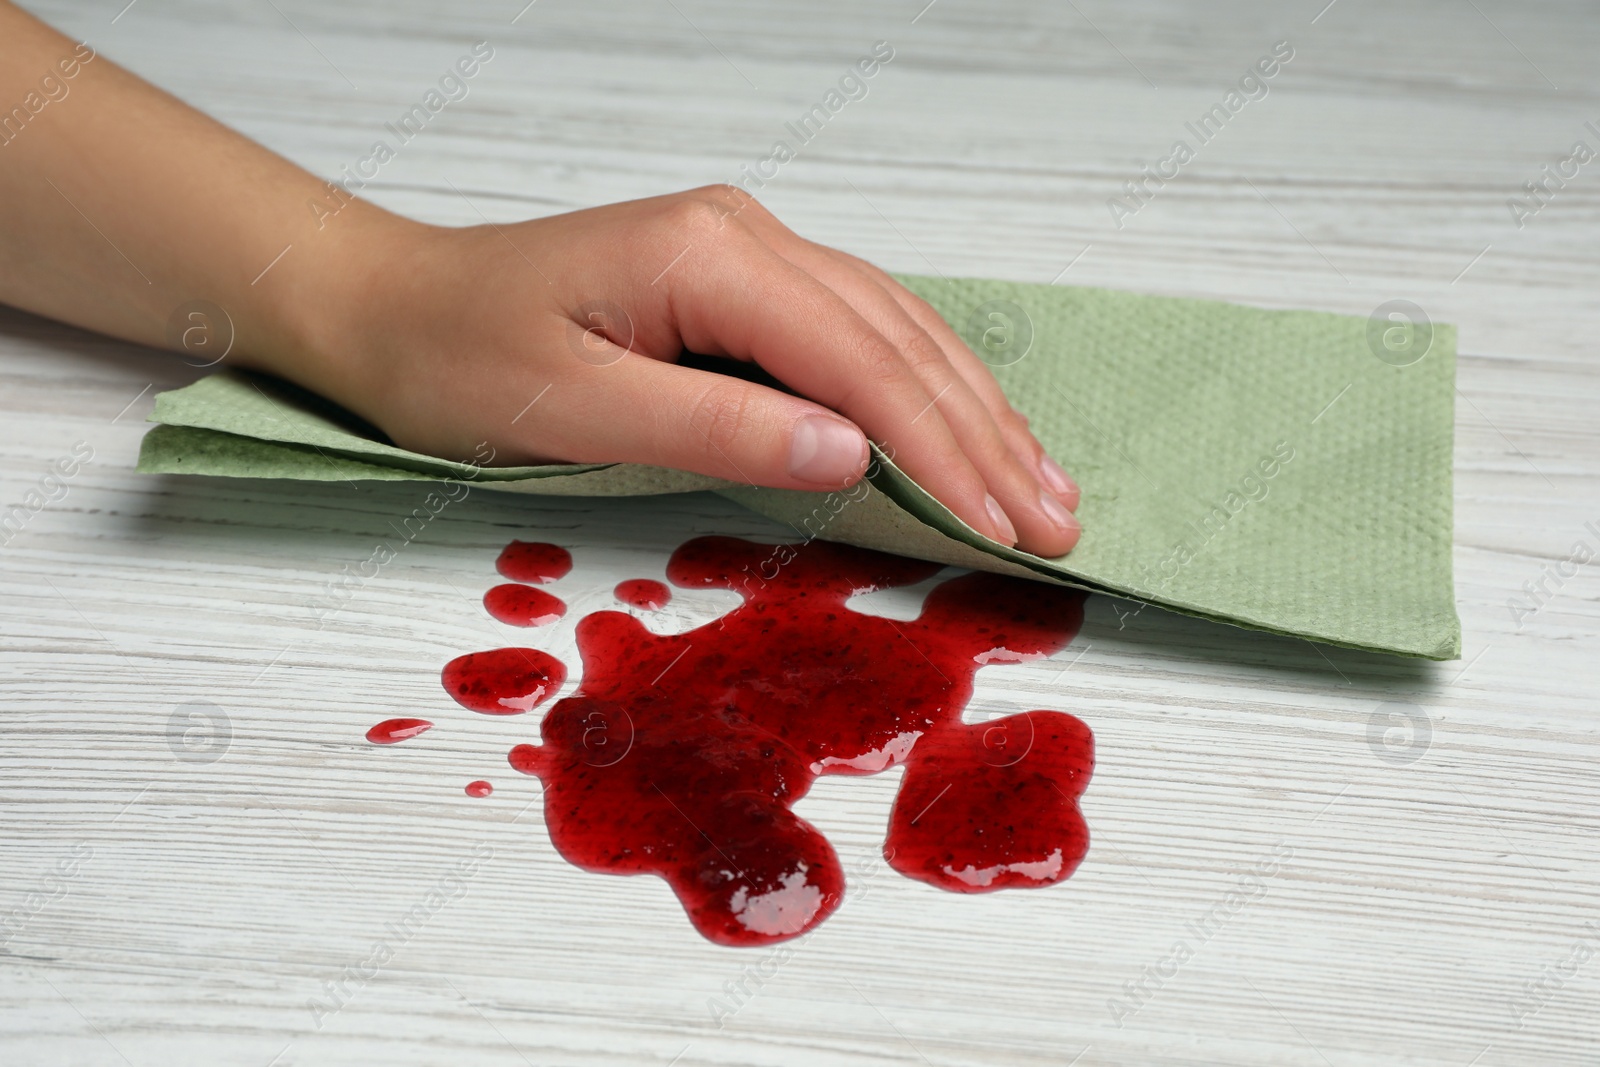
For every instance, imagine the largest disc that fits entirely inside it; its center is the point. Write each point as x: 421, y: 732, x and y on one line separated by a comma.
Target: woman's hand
x: 558, y: 340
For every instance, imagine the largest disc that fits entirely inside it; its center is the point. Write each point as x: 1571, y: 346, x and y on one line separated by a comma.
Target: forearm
x: 119, y: 204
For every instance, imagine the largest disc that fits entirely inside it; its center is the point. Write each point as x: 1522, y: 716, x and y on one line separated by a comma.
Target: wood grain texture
x: 210, y: 903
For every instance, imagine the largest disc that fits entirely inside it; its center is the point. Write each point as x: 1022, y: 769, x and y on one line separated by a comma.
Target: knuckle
x: 919, y: 309
x: 874, y: 368
x: 879, y: 363
x: 723, y: 417
x: 1014, y: 421
x: 704, y: 213
x: 910, y: 350
x: 921, y: 306
x: 731, y: 197
x: 924, y: 354
x: 692, y: 216
x: 727, y: 191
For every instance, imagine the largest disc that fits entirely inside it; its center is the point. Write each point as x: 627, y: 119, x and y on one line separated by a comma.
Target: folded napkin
x: 1286, y: 471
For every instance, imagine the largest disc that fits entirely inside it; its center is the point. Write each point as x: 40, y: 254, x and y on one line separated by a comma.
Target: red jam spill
x: 523, y: 605
x: 503, y: 681
x: 533, y: 561
x: 480, y: 788
x: 393, y: 731
x: 644, y: 593
x: 681, y: 755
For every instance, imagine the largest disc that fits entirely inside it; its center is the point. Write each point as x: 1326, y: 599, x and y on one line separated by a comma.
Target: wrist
x: 322, y: 325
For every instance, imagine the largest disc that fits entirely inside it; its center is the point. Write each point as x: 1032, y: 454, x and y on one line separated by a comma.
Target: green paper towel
x: 1262, y: 468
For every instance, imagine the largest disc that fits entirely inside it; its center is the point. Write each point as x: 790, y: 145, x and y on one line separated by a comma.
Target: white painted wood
x: 1419, y: 899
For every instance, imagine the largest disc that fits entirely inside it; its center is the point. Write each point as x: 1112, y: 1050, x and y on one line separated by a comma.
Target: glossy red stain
x: 393, y: 731
x: 681, y: 755
x: 503, y: 681
x: 480, y: 788
x: 533, y: 561
x: 523, y: 605
x: 646, y: 593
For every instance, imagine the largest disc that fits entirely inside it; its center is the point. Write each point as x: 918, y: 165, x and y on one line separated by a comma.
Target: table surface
x: 164, y: 904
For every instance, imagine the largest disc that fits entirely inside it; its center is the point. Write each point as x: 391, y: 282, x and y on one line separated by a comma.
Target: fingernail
x: 826, y: 451
x: 1065, y: 521
x: 1058, y: 482
x: 1005, y: 533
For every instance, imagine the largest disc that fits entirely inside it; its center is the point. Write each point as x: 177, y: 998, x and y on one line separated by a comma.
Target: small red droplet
x: 393, y: 731
x: 480, y: 788
x: 533, y: 561
x: 523, y: 605
x: 644, y: 593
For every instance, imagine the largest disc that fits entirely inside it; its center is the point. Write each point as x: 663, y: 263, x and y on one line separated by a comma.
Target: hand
x: 443, y: 338
x: 455, y: 332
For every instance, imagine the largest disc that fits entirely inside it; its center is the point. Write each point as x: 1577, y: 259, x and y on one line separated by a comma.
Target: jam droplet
x: 503, y: 681
x: 644, y: 593
x: 523, y: 605
x: 480, y: 788
x: 393, y: 731
x: 533, y: 561
x: 681, y: 755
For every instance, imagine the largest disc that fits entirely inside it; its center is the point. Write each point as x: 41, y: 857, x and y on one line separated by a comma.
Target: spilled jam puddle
x: 682, y: 755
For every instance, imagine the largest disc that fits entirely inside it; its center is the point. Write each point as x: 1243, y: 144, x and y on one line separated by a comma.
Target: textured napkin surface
x: 1262, y: 468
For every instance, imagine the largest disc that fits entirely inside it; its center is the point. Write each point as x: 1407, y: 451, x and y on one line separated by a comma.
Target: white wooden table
x: 165, y: 905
